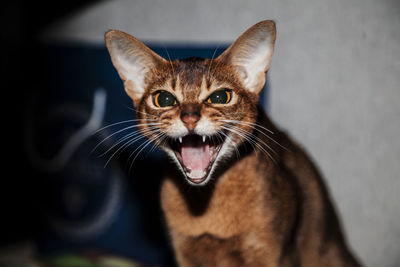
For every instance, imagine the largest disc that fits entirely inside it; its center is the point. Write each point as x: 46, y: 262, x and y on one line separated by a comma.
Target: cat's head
x: 197, y: 110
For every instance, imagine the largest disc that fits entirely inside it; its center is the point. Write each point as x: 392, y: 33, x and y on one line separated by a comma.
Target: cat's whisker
x: 127, y: 144
x: 219, y: 137
x: 144, y: 113
x: 118, y: 123
x: 244, y: 136
x: 170, y: 61
x: 231, y: 142
x: 251, y: 142
x: 256, y: 126
x: 158, y: 142
x: 130, y: 135
x: 250, y: 134
x: 121, y: 140
x: 130, y: 108
x: 109, y: 136
x: 147, y: 114
x: 143, y: 145
x: 122, y: 148
x: 248, y: 137
x: 121, y: 130
x: 255, y: 138
x: 216, y: 67
x: 249, y: 124
x: 211, y: 61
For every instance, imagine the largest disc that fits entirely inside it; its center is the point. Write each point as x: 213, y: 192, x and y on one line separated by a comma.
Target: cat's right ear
x: 133, y: 61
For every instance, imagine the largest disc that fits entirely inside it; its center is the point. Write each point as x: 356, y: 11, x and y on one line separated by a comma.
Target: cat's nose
x: 190, y: 121
x: 190, y: 115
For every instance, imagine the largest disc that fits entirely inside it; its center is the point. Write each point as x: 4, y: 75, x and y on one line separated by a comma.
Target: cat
x: 239, y: 191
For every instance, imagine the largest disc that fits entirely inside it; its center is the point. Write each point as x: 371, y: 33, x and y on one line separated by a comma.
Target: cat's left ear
x: 133, y: 61
x: 251, y: 54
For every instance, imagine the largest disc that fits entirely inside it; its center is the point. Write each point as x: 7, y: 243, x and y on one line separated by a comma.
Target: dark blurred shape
x: 21, y: 21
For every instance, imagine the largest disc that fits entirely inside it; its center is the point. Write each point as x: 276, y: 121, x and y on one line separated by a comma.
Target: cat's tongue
x: 195, y: 157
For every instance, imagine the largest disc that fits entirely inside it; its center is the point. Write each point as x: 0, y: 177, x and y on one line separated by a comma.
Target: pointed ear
x: 133, y: 61
x: 251, y: 54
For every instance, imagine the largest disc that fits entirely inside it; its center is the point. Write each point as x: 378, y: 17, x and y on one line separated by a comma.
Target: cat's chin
x: 196, y: 156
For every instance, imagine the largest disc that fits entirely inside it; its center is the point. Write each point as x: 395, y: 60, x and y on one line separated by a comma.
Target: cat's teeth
x: 180, y: 140
x: 204, y: 138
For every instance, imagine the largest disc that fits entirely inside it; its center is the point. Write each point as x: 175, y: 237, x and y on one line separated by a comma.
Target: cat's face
x: 196, y: 110
x: 188, y: 106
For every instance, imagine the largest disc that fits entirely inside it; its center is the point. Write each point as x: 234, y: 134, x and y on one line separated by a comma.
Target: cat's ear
x: 251, y: 54
x: 133, y: 61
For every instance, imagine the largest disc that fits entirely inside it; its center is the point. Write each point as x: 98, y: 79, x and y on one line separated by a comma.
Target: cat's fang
x: 204, y: 138
x: 180, y: 140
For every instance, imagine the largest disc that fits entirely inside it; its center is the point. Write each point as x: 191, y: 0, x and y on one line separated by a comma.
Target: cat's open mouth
x: 196, y: 154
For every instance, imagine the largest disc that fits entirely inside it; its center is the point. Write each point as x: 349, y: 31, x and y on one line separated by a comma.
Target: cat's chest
x: 235, y: 205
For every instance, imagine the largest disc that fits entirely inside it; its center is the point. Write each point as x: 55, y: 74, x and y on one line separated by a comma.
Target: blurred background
x: 69, y: 192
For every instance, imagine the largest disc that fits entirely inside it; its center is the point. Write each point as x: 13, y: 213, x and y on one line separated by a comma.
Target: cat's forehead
x: 191, y: 70
x: 189, y: 78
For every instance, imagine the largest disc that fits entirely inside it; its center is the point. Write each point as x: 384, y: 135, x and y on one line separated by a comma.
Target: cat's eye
x: 222, y: 96
x: 163, y: 99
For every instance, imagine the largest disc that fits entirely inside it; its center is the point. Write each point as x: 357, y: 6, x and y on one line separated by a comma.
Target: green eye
x: 222, y: 96
x: 164, y: 99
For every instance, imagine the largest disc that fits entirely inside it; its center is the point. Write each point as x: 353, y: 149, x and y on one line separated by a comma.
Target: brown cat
x: 241, y: 193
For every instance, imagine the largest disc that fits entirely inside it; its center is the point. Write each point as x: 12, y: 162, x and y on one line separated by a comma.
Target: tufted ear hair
x: 251, y: 54
x: 133, y: 61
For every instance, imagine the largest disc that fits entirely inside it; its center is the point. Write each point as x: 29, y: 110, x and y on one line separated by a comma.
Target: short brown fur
x: 259, y: 209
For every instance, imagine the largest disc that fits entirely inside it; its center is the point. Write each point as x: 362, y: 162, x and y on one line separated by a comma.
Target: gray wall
x: 335, y: 86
